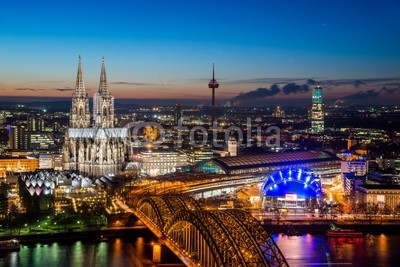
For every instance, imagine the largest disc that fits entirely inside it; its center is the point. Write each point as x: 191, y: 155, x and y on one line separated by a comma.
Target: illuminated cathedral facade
x: 94, y: 147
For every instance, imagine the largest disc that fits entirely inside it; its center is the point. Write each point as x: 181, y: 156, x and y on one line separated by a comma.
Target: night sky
x: 165, y: 49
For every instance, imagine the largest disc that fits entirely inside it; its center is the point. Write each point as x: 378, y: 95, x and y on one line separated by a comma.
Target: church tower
x: 80, y: 115
x: 103, y: 103
x: 99, y: 149
x: 351, y: 141
x: 232, y: 146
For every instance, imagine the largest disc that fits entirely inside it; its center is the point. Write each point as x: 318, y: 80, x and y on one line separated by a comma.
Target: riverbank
x: 75, y: 234
x: 299, y: 227
x: 321, y: 227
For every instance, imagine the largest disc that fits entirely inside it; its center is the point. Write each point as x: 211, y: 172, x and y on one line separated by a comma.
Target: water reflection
x: 79, y: 253
x: 302, y: 249
x: 312, y: 250
x: 305, y: 250
x: 139, y: 245
x: 383, y: 244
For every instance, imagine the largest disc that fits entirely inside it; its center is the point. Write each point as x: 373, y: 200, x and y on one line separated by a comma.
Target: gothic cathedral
x: 94, y: 148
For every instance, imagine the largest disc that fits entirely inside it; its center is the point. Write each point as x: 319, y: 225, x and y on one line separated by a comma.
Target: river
x: 304, y: 250
x: 314, y: 250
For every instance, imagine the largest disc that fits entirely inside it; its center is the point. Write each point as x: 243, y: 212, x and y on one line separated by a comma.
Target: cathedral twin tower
x: 103, y: 103
x: 94, y: 147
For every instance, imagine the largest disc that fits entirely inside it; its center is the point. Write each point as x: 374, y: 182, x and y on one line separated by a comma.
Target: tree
x: 384, y: 209
x: 279, y: 212
x: 356, y: 209
x: 92, y: 214
x: 340, y: 208
x: 324, y: 210
x: 14, y: 219
x: 396, y: 210
x: 85, y: 214
x: 370, y: 210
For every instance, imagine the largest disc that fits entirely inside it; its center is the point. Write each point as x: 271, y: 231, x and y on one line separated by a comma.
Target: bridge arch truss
x: 214, y: 238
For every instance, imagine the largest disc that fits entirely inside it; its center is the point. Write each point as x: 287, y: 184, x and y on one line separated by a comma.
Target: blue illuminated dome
x: 301, y: 182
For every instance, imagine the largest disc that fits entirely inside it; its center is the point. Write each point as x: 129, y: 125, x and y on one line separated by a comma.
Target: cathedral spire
x: 103, y: 80
x: 103, y: 103
x: 80, y: 114
x: 80, y: 90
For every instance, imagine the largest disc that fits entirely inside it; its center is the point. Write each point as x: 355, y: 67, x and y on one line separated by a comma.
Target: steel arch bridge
x: 216, y: 238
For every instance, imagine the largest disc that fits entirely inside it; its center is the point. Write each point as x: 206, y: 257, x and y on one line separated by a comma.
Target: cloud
x: 265, y: 80
x: 379, y: 80
x: 392, y: 84
x: 64, y: 89
x: 262, y: 93
x: 293, y: 88
x: 311, y: 82
x: 363, y: 95
x: 29, y: 89
x: 197, y: 80
x: 390, y: 90
x: 258, y: 93
x: 132, y: 83
x: 370, y: 96
x: 227, y: 93
x: 328, y: 84
x: 49, y: 81
x: 358, y: 97
x: 25, y: 89
x: 357, y: 83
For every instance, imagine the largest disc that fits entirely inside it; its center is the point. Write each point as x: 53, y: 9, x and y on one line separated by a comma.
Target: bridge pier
x: 157, y: 252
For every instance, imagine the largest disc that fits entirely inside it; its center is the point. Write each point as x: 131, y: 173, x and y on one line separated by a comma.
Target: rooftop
x: 266, y: 159
x: 380, y: 187
x: 100, y: 133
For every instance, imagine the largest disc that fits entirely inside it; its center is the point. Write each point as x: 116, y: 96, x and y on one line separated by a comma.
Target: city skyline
x: 350, y: 47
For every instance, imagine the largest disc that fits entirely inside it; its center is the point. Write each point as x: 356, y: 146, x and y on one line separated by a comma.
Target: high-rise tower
x: 213, y: 84
x: 178, y: 113
x: 103, y: 103
x: 80, y: 115
x: 317, y: 111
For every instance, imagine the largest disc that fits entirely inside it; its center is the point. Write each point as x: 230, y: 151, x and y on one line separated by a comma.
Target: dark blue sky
x: 166, y: 48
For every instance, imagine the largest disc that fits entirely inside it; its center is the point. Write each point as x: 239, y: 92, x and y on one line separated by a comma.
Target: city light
x: 226, y: 134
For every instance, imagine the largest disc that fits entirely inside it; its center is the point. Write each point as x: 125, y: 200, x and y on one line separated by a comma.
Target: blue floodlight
x: 299, y: 181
